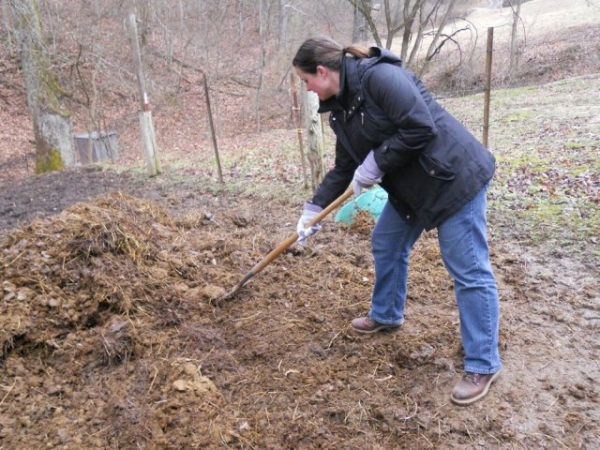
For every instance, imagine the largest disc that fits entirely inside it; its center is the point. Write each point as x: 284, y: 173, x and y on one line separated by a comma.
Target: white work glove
x: 309, y: 212
x: 367, y: 174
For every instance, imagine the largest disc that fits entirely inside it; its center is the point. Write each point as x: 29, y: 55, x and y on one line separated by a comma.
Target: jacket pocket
x: 436, y: 169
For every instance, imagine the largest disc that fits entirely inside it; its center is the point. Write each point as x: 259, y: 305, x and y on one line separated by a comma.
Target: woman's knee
x: 379, y: 242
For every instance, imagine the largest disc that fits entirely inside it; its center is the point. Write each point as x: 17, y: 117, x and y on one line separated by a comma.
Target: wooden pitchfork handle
x: 289, y: 241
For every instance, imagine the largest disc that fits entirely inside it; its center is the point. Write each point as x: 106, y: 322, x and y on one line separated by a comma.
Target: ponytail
x: 323, y: 51
x: 358, y: 51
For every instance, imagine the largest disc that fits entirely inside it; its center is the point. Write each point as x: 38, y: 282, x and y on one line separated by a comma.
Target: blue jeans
x: 464, y: 249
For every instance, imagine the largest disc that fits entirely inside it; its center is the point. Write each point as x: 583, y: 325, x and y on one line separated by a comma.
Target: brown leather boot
x: 366, y: 325
x: 472, y: 387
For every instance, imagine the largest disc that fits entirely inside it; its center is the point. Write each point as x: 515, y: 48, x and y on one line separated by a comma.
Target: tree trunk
x: 410, y: 13
x: 364, y: 9
x: 145, y: 115
x: 314, y: 137
x: 360, y: 30
x: 514, y: 47
x: 433, y: 49
x: 98, y: 8
x: 282, y: 25
x: 7, y: 25
x: 51, y: 121
x: 262, y: 62
x: 241, y: 20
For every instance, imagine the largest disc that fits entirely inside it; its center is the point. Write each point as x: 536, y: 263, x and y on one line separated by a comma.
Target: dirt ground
x: 111, y: 337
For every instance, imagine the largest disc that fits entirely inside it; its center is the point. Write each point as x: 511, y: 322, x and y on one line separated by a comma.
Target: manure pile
x: 111, y: 339
x: 93, y: 304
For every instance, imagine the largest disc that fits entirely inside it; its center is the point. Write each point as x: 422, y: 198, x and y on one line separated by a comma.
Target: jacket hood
x: 378, y: 55
x: 381, y: 54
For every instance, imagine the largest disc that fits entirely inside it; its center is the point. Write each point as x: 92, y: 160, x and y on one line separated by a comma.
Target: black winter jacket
x: 433, y: 166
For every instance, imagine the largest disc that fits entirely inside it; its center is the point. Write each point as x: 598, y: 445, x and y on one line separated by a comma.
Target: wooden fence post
x: 488, y: 85
x: 314, y: 128
x: 212, y: 128
x: 296, y: 117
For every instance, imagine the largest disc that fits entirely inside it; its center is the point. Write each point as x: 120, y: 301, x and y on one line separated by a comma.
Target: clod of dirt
x: 117, y: 340
x: 242, y: 219
x: 212, y: 292
x: 362, y: 223
x: 192, y: 381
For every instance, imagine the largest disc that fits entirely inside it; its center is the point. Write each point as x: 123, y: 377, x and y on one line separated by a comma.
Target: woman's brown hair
x: 323, y: 51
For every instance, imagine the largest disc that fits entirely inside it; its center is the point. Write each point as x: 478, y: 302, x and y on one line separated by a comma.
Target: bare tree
x: 90, y: 91
x: 241, y: 19
x: 360, y: 29
x: 435, y: 45
x: 365, y: 8
x: 514, y: 47
x: 262, y: 27
x: 282, y: 25
x: 51, y: 120
x: 145, y: 115
x: 412, y: 18
x: 7, y: 24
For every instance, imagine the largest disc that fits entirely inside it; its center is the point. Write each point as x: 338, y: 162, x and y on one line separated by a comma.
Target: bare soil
x: 112, y: 337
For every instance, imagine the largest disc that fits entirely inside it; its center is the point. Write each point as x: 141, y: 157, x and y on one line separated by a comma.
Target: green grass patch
x: 574, y: 145
x: 519, y: 116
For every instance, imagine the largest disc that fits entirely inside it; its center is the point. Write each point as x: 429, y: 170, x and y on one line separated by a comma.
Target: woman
x: 391, y: 131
